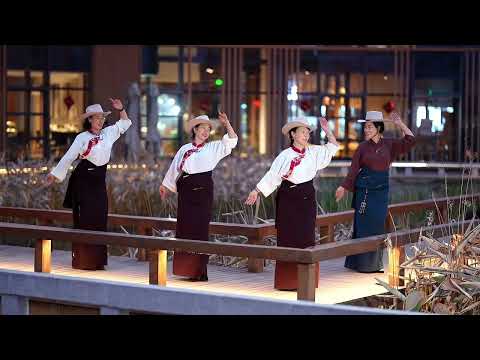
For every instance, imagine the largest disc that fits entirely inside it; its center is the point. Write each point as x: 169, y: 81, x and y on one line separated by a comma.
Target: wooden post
x: 396, y: 256
x: 255, y: 265
x: 43, y: 256
x: 43, y: 250
x: 306, y: 282
x: 158, y: 267
x: 329, y: 232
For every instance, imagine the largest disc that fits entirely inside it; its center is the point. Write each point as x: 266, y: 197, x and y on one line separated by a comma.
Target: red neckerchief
x: 93, y: 141
x: 295, y: 162
x: 196, y: 148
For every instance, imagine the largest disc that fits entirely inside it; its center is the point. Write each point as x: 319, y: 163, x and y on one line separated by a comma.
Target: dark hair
x: 380, y: 126
x: 290, y: 134
x: 193, y: 132
x: 87, y: 125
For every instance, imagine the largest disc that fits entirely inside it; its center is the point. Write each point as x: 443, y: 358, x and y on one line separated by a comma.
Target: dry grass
x: 444, y: 272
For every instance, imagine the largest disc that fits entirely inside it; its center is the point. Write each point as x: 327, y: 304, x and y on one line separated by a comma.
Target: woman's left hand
x: 117, y: 104
x: 222, y: 117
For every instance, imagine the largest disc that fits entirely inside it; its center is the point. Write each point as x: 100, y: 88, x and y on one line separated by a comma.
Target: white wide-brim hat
x: 374, y: 116
x: 202, y: 119
x: 297, y: 123
x: 94, y: 109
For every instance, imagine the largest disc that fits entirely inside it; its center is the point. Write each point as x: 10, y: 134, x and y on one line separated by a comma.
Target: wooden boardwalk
x: 337, y: 284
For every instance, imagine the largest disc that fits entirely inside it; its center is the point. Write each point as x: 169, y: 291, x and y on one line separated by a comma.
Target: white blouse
x: 316, y: 157
x: 205, y: 159
x: 99, y: 153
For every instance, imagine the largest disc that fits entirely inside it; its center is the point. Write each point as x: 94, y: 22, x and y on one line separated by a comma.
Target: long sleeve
x: 60, y: 171
x: 324, y: 154
x: 170, y: 179
x: 402, y: 146
x: 114, y: 131
x: 223, y: 147
x: 349, y: 181
x: 273, y: 178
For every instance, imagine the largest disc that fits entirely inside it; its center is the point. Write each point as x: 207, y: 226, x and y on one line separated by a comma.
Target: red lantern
x: 68, y: 101
x: 305, y: 105
x: 389, y: 106
x: 257, y: 103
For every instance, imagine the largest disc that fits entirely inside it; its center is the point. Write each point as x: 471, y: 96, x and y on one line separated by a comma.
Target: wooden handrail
x: 306, y: 258
x: 254, y: 233
x: 155, y: 242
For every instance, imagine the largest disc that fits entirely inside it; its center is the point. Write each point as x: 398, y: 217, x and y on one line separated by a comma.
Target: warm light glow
x: 410, y: 164
x: 209, y: 70
x: 352, y: 146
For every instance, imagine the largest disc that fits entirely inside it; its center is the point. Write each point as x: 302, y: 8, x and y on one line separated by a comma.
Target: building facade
x: 261, y: 87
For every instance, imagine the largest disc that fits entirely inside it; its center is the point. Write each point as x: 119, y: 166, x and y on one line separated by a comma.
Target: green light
x: 219, y: 82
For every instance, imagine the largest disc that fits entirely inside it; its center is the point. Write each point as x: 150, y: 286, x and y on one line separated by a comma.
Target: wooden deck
x: 337, y: 284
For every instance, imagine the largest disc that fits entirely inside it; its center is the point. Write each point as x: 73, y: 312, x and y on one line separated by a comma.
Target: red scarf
x: 196, y: 148
x: 295, y: 162
x: 93, y: 141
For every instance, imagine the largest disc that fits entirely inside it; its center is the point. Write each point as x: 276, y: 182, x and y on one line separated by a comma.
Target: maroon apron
x: 296, y: 211
x: 194, y: 212
x: 87, y: 197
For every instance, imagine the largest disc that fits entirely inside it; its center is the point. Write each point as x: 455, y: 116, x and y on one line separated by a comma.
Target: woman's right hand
x: 49, y: 180
x: 163, y: 192
x: 252, y: 197
x: 340, y: 193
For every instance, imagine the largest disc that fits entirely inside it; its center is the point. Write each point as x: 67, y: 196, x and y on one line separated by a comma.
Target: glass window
x: 16, y: 78
x: 36, y: 125
x: 16, y: 101
x: 437, y: 74
x: 67, y: 101
x: 36, y: 78
x: 380, y: 83
x: 36, y: 102
x: 15, y: 126
x: 35, y: 149
x: 169, y: 51
x: 356, y: 83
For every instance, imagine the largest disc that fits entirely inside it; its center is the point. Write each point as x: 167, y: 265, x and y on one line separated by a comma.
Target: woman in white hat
x: 190, y: 175
x: 86, y: 192
x: 368, y: 180
x: 296, y: 208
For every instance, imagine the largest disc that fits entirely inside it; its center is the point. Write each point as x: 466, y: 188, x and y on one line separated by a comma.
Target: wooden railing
x: 254, y: 233
x: 158, y: 246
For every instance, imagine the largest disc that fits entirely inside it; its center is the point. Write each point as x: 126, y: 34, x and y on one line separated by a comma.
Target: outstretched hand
x: 324, y: 125
x: 116, y: 103
x: 395, y: 117
x: 223, y: 118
